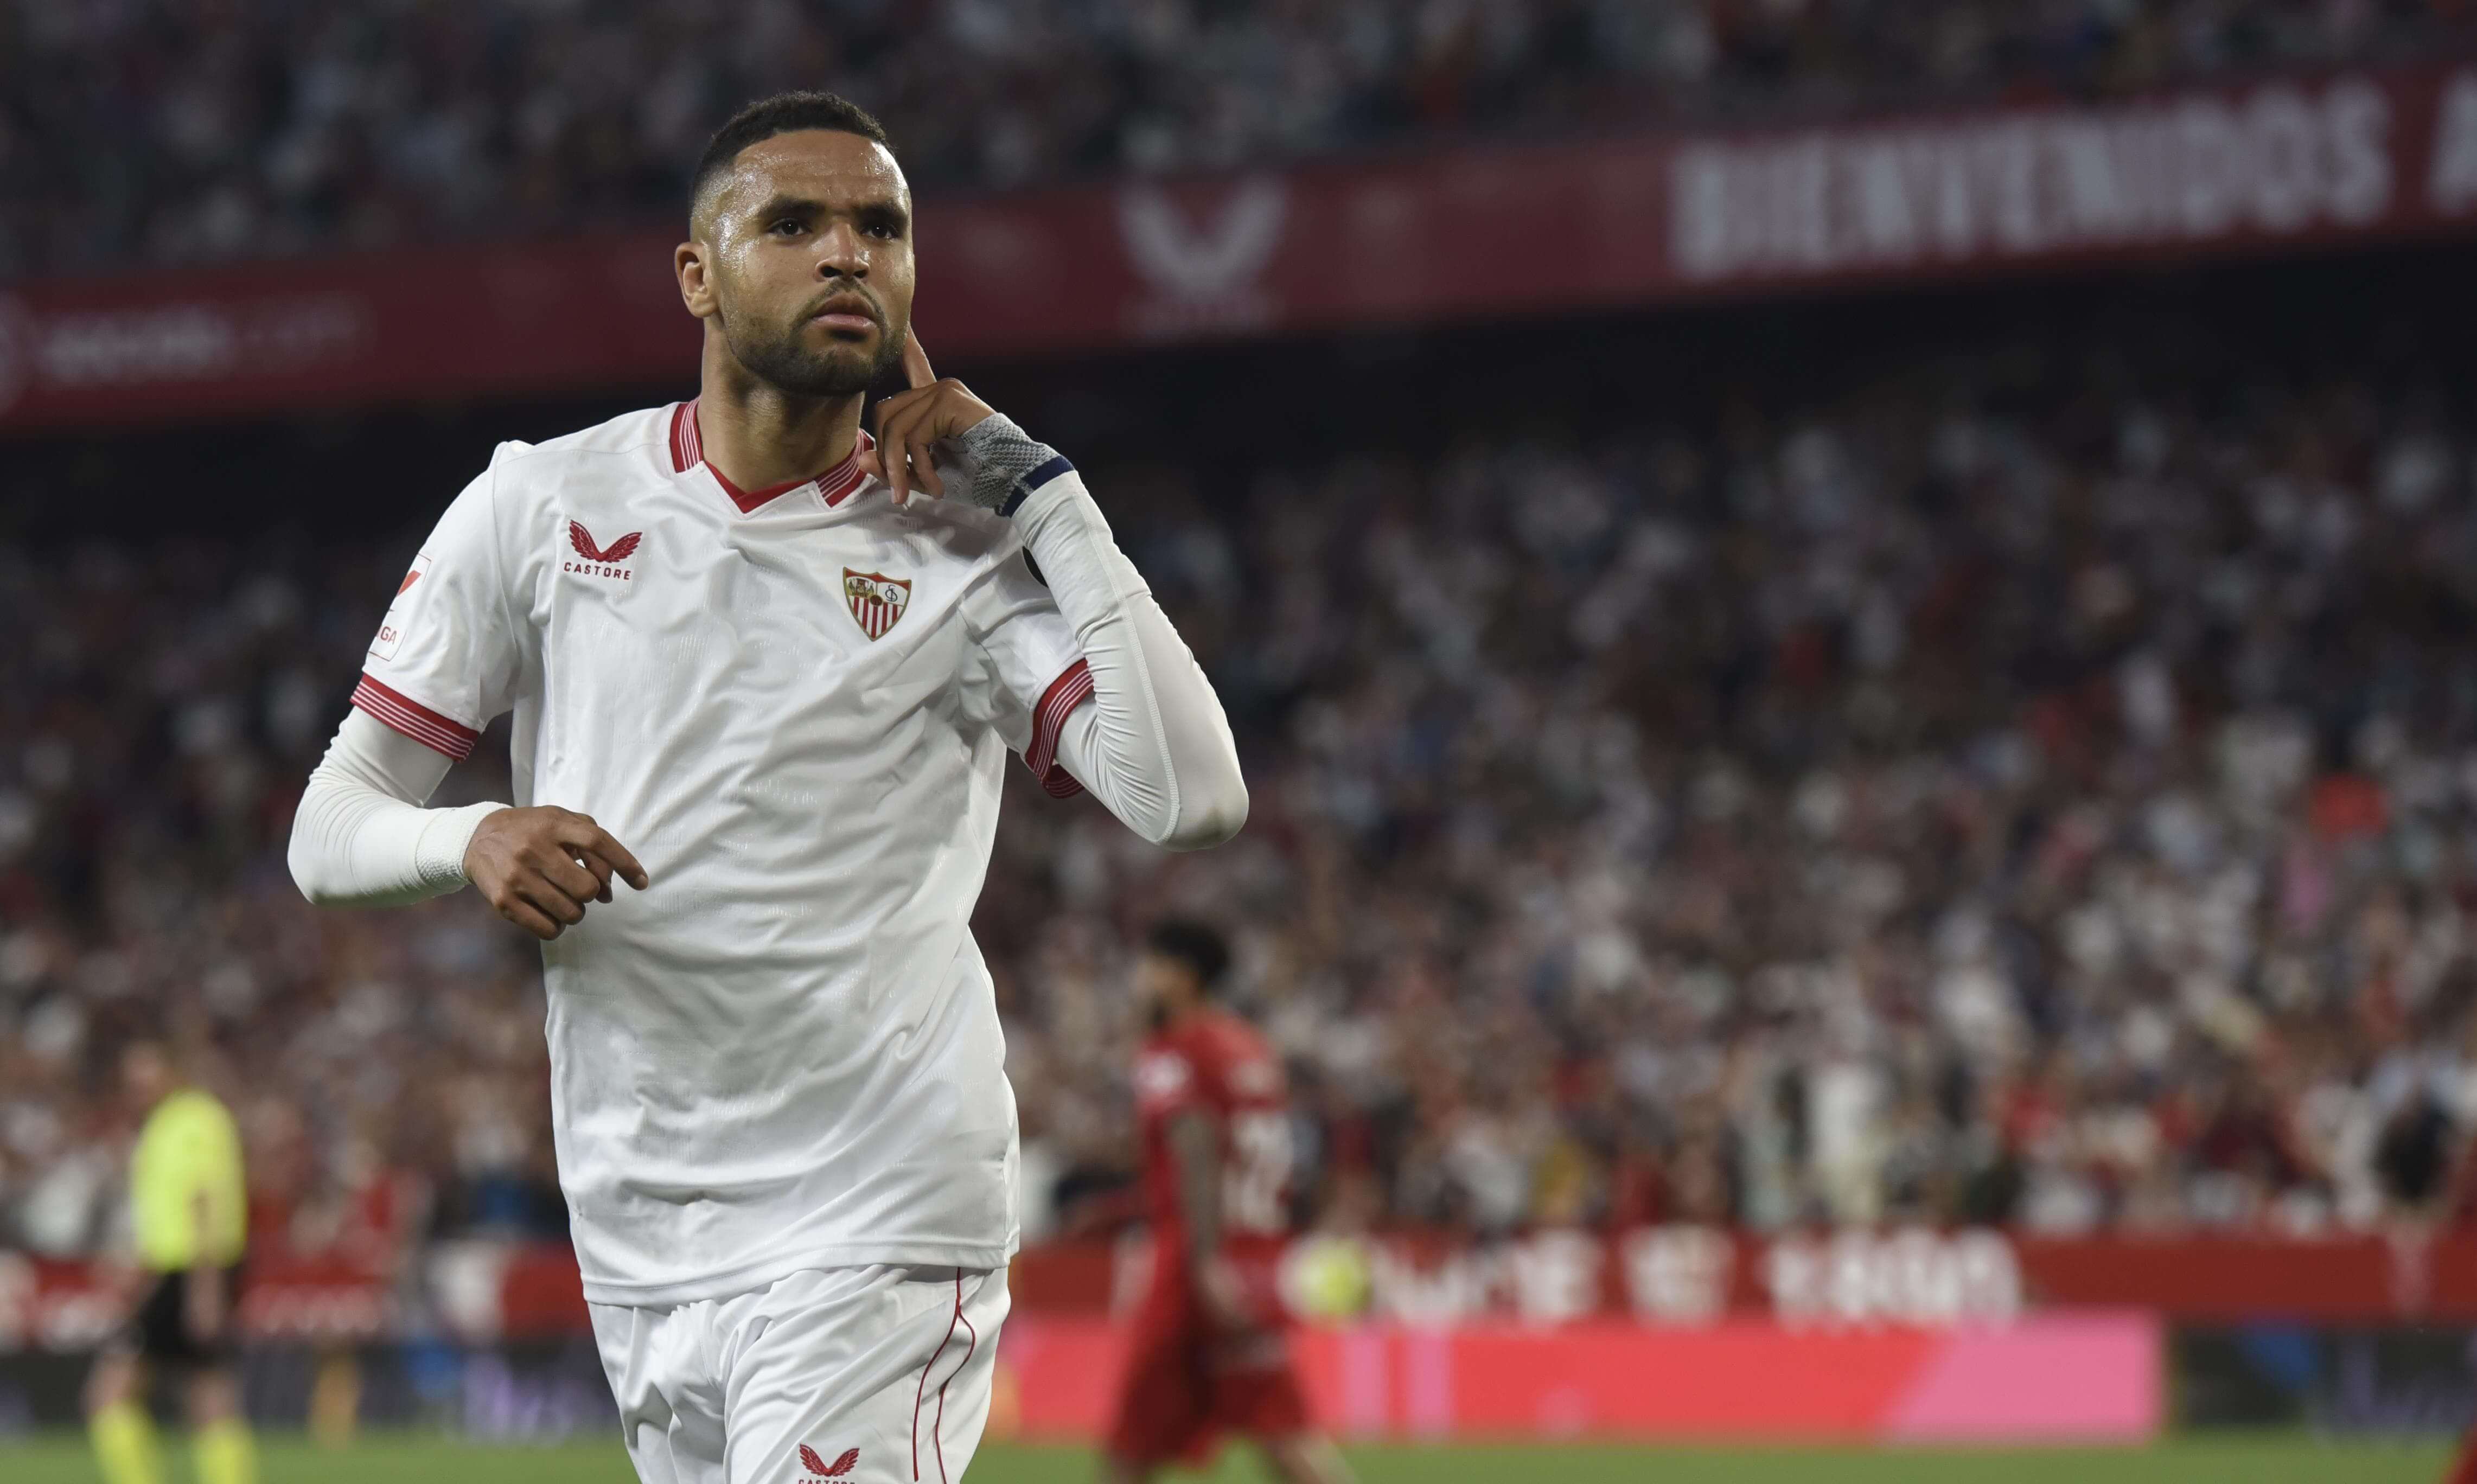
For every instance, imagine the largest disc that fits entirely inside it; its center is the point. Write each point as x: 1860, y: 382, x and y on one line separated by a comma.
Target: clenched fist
x: 539, y: 867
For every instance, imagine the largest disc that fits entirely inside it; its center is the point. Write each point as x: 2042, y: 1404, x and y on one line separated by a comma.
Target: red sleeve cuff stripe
x: 439, y: 733
x: 1071, y: 689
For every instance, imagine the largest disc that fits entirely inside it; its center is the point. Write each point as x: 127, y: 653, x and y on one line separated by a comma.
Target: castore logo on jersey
x: 601, y: 561
x: 819, y: 1468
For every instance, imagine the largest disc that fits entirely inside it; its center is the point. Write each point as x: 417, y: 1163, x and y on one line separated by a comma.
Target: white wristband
x: 439, y: 856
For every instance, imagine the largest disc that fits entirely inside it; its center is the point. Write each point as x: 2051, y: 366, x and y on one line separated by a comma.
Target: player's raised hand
x: 910, y: 422
x: 541, y: 866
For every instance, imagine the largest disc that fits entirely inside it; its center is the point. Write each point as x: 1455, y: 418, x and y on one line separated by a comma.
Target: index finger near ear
x: 915, y: 362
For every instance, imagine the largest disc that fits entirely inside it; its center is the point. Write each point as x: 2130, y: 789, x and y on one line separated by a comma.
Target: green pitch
x: 2238, y: 1459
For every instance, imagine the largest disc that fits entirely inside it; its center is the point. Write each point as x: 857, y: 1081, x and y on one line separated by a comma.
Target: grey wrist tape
x: 1002, y: 465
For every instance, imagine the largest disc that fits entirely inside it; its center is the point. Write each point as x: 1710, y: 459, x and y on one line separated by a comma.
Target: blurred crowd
x: 2055, y: 809
x: 163, y: 707
x: 176, y: 132
x: 1983, y: 795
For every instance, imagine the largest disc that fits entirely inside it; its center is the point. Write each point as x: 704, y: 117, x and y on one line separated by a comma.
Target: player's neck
x: 757, y: 435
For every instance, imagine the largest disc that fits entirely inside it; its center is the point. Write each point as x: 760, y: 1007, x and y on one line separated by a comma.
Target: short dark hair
x: 785, y: 113
x: 1205, y: 952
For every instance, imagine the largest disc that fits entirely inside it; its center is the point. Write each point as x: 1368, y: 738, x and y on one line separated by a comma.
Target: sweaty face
x: 809, y: 255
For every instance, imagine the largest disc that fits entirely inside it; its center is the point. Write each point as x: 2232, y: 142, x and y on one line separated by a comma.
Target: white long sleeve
x: 1153, y: 744
x: 360, y: 836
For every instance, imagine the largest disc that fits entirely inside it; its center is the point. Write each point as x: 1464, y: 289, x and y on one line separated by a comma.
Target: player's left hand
x: 909, y: 422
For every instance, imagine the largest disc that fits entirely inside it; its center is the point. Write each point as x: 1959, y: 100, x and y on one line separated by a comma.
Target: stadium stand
x: 280, y: 127
x: 2019, y: 788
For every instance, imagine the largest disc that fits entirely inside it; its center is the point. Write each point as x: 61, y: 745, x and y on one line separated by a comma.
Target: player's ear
x: 688, y: 261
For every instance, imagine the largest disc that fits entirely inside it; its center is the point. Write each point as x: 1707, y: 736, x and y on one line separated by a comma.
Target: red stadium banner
x: 2277, y: 164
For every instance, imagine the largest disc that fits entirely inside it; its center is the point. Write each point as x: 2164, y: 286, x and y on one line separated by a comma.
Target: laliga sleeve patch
x: 392, y: 626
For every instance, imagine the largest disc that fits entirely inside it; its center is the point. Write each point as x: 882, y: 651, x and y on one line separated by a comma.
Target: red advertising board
x: 61, y: 1304
x: 1694, y: 1275
x: 2093, y: 1378
x: 1477, y: 232
x: 1663, y: 1277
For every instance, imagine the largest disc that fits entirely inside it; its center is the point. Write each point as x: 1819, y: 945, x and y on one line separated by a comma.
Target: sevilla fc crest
x: 877, y: 601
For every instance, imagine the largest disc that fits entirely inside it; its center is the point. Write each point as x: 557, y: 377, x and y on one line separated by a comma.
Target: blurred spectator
x: 183, y: 131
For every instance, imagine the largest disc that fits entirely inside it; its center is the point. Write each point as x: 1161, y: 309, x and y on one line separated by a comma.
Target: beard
x: 779, y: 358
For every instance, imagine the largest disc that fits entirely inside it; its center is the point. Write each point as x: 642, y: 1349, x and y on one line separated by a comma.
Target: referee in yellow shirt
x: 191, y: 1214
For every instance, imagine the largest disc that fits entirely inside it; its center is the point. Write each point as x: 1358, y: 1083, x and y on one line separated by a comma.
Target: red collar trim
x: 687, y: 451
x: 834, y: 486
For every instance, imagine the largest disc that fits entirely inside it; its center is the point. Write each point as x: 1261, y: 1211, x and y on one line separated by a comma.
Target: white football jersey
x: 793, y: 705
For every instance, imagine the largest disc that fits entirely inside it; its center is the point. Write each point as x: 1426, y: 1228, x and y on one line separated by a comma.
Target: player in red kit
x: 1211, y: 1352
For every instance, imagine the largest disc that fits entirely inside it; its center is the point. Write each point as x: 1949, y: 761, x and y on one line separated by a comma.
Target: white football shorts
x: 861, y: 1376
